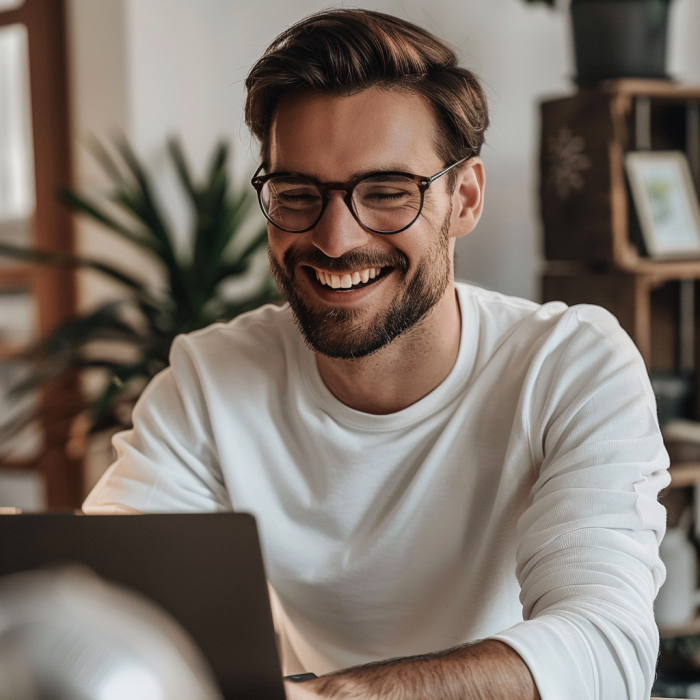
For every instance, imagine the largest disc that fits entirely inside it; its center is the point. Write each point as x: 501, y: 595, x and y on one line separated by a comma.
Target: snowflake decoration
x: 568, y: 161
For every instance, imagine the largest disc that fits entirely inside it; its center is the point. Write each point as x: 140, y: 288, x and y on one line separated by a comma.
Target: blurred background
x: 130, y: 113
x: 153, y: 69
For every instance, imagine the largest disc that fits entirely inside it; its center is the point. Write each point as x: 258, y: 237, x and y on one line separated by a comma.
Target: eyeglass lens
x: 384, y: 203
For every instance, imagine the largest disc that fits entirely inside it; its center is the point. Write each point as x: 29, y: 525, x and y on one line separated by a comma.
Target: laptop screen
x: 205, y: 570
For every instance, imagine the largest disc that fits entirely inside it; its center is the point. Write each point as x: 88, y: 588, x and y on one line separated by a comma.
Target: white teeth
x: 347, y: 280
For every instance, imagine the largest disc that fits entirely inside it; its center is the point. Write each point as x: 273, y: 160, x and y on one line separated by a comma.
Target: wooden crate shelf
x: 593, y: 245
x: 585, y: 203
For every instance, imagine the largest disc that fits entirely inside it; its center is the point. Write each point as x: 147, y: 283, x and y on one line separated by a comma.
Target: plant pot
x: 619, y: 39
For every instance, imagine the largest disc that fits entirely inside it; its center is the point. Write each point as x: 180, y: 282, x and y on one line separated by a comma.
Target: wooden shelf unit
x: 593, y: 246
x: 585, y: 203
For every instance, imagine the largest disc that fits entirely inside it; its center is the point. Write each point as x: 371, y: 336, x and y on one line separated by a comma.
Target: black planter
x: 619, y: 39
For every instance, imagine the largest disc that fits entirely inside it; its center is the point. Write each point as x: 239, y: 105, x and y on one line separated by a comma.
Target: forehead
x: 333, y: 137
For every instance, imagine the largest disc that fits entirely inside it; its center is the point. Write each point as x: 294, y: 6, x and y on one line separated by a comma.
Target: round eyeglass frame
x: 423, y: 182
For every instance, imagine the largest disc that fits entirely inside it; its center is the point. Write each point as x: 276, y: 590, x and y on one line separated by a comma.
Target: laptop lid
x: 205, y: 570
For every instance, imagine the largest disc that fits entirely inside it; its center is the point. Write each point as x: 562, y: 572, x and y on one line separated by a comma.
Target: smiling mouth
x: 348, y: 281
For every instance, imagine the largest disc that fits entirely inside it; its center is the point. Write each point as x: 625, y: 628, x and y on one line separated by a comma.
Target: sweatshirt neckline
x: 434, y: 402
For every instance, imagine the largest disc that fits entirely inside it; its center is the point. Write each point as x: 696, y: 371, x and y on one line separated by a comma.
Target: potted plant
x: 618, y: 38
x: 141, y: 326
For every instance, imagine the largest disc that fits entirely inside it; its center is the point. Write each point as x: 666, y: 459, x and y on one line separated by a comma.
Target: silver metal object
x: 66, y: 634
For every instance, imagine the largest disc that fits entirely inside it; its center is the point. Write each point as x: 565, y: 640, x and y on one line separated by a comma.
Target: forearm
x: 485, y: 670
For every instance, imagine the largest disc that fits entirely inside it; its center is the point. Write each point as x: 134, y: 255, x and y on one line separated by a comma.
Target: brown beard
x: 336, y: 332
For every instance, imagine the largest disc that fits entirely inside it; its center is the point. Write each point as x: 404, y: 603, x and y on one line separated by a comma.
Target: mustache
x: 352, y: 260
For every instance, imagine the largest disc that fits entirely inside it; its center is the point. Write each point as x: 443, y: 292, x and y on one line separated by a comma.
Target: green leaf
x: 109, y: 165
x: 142, y: 202
x: 212, y: 225
x: 242, y: 262
x: 47, y: 257
x: 83, y: 205
x: 191, y: 298
x: 117, y: 384
x: 183, y: 171
x: 62, y: 349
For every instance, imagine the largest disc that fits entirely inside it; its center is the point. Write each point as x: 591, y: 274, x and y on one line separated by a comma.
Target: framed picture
x: 666, y: 203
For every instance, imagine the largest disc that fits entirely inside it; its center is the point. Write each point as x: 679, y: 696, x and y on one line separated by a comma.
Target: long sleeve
x: 167, y: 462
x: 587, y: 560
x: 541, y: 454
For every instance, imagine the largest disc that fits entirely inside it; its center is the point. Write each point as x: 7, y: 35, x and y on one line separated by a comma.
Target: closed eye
x: 383, y: 197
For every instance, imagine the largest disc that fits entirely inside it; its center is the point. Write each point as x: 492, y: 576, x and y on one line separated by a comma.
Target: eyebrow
x: 382, y: 168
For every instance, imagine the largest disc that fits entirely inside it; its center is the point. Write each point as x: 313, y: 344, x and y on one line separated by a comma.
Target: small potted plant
x: 618, y: 38
x: 141, y: 325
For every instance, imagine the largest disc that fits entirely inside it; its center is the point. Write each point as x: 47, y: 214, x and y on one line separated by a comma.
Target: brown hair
x: 344, y: 51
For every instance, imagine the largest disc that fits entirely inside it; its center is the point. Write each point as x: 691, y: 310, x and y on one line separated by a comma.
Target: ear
x: 468, y: 198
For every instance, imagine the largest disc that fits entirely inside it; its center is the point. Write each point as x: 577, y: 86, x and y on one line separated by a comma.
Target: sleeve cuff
x: 557, y: 655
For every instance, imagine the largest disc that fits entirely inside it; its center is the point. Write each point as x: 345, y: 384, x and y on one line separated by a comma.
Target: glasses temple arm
x: 448, y: 168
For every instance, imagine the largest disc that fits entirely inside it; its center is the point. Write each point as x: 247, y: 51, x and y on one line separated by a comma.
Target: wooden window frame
x: 54, y: 288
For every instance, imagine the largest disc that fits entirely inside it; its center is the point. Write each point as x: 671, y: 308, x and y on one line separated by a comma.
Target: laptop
x: 206, y: 570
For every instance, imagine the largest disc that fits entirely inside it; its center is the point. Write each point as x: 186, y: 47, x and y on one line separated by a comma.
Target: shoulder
x: 220, y: 369
x: 529, y: 327
x: 268, y: 324
x: 263, y: 339
x: 494, y: 302
x: 575, y: 371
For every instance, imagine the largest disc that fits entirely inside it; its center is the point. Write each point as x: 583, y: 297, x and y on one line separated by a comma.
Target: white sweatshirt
x: 518, y: 500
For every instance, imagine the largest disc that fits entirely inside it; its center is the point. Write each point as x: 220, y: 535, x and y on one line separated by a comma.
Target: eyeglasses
x: 381, y: 202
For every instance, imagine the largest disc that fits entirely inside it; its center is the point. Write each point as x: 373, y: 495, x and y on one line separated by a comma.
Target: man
x: 430, y: 464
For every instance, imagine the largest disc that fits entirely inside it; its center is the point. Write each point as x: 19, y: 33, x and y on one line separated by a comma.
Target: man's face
x: 396, y: 279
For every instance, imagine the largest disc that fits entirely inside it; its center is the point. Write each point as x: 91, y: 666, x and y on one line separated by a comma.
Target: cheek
x: 278, y: 242
x: 433, y: 216
x: 416, y: 242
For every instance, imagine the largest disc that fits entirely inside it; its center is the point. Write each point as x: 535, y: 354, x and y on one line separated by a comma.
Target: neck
x: 404, y: 371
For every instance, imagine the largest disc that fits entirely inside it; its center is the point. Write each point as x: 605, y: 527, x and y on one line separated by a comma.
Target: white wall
x: 97, y: 51
x: 184, y: 63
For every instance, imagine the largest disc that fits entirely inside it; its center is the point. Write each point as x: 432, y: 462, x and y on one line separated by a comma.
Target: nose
x: 337, y: 232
